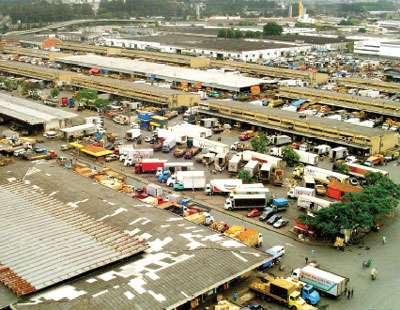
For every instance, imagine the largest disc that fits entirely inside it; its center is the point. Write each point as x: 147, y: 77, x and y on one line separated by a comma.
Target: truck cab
x: 310, y: 295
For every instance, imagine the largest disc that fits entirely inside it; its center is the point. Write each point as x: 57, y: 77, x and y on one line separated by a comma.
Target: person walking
x: 348, y: 294
x: 351, y: 293
x: 306, y: 260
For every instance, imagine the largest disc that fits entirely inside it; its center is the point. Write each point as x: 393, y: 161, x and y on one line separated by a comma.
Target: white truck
x: 262, y: 158
x: 168, y: 145
x: 246, y: 201
x: 339, y: 152
x: 280, y: 140
x: 324, y: 281
x: 312, y: 204
x: 322, y: 149
x: 223, y: 186
x: 297, y: 191
x: 251, y: 190
x: 307, y: 157
x: 188, y: 179
x: 252, y: 167
x: 304, y: 157
x: 132, y: 134
x: 324, y: 175
x: 154, y: 190
x: 234, y: 163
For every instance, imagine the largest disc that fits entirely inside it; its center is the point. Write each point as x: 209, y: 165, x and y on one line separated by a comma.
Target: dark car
x: 253, y: 307
x: 267, y: 213
x: 274, y: 219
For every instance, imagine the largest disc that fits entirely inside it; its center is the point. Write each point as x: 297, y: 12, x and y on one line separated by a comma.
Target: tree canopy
x: 272, y: 29
x: 259, y: 143
x: 290, y: 156
x: 357, y: 210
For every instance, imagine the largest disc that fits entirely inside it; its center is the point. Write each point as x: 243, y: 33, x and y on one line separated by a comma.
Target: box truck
x: 324, y: 175
x: 234, y: 163
x: 280, y: 140
x: 297, y: 191
x: 252, y: 167
x: 361, y: 171
x: 339, y: 152
x: 223, y: 186
x: 245, y: 201
x: 168, y: 145
x: 262, y: 158
x: 149, y: 165
x: 312, y: 204
x: 187, y: 180
x: 322, y: 280
x: 304, y: 157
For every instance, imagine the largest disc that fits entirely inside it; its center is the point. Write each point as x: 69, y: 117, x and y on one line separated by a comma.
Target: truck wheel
x: 293, y: 308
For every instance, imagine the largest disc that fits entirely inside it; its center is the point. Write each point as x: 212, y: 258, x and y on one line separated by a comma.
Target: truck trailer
x: 297, y: 191
x: 222, y: 186
x: 234, y: 163
x: 187, y: 180
x: 312, y: 204
x: 149, y: 165
x: 246, y: 201
x: 324, y: 281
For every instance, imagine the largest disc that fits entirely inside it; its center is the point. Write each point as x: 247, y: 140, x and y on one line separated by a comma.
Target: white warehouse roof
x: 29, y: 111
x: 210, y: 78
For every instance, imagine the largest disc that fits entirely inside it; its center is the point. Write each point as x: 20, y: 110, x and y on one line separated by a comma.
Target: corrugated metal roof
x: 211, y: 78
x: 44, y: 242
x: 29, y: 111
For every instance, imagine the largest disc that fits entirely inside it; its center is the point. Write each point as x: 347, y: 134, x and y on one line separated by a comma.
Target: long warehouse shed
x: 372, y: 139
x: 212, y: 78
x: 33, y: 113
x: 137, y: 91
x: 387, y: 87
x: 372, y: 105
x: 186, y: 60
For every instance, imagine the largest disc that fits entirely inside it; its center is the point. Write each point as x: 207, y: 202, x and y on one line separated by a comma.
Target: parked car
x: 267, y: 213
x: 39, y: 149
x: 254, y: 213
x: 253, y: 306
x: 281, y: 223
x: 112, y: 157
x: 149, y: 139
x: 273, y: 219
x: 193, y: 151
x: 247, y: 135
x: 179, y: 151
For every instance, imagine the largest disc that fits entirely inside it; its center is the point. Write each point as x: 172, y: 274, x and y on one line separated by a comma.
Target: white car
x: 276, y: 251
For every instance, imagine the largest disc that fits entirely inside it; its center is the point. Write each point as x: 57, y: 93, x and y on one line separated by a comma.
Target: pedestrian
x: 383, y: 239
x: 348, y: 294
x: 351, y: 293
x: 306, y: 259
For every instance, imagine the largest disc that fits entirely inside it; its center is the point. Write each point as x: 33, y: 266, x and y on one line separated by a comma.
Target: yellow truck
x: 250, y: 237
x: 282, y: 291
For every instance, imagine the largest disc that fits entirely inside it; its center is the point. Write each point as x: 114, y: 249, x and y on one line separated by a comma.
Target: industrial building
x: 207, y: 78
x: 377, y: 47
x: 37, y: 116
x: 370, y: 140
x: 138, y: 91
x: 244, y: 50
x: 184, y: 263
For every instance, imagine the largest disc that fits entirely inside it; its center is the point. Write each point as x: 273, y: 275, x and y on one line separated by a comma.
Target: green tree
x: 259, y: 143
x: 342, y: 168
x: 245, y: 176
x: 272, y: 29
x: 380, y: 196
x: 54, y: 92
x: 290, y: 156
x: 362, y: 30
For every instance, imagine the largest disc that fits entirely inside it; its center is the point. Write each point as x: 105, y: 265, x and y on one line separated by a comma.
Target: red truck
x: 302, y: 228
x: 149, y: 165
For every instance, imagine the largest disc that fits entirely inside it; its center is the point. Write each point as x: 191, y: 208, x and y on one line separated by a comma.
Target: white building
x: 244, y: 50
x: 377, y: 47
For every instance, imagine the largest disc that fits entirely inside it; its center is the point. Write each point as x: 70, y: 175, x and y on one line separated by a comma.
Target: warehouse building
x: 244, y: 50
x: 36, y: 116
x: 208, y: 78
x: 377, y: 47
x: 363, y: 139
x: 185, y: 263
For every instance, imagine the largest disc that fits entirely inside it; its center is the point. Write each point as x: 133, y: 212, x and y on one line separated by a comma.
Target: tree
x: 245, y: 176
x: 54, y: 92
x: 290, y: 156
x: 342, y: 168
x: 362, y: 30
x: 259, y: 143
x: 272, y: 29
x: 380, y: 196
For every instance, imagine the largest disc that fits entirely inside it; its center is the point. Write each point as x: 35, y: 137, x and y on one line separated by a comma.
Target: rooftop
x: 201, y: 42
x: 72, y: 243
x: 312, y: 120
x: 30, y: 111
x: 183, y: 261
x: 212, y: 78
